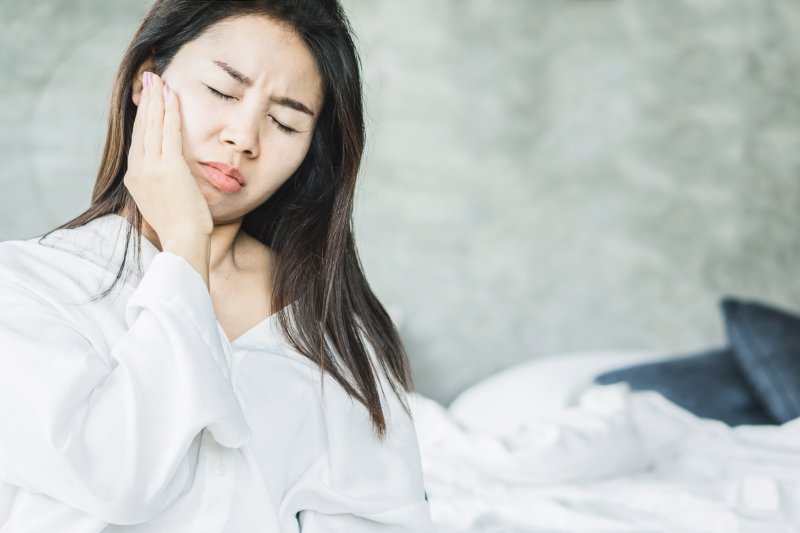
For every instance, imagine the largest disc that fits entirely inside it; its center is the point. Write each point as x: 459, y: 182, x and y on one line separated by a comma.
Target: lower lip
x: 220, y: 180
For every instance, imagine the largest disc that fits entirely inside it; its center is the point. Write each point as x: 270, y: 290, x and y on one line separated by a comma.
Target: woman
x: 242, y: 377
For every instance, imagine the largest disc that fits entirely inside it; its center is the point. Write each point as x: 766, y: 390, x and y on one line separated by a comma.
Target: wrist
x: 196, y: 249
x: 194, y: 242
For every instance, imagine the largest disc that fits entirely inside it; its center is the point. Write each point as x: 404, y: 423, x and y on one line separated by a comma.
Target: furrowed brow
x: 293, y: 104
x: 247, y: 82
x: 235, y: 74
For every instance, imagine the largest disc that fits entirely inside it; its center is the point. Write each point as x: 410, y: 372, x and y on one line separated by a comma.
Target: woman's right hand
x: 158, y: 176
x: 159, y: 180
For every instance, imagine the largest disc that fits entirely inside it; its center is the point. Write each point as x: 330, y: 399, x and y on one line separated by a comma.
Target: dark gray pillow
x: 766, y: 346
x: 710, y: 385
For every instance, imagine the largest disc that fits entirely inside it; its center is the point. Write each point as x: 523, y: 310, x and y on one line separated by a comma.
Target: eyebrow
x: 247, y: 82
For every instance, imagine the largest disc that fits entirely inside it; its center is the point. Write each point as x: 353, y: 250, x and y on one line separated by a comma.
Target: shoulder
x: 353, y: 477
x: 51, y: 246
x: 340, y: 414
x: 30, y: 264
x: 46, y: 271
x: 352, y: 450
x: 337, y: 469
x: 17, y: 254
x: 332, y: 416
x: 68, y: 258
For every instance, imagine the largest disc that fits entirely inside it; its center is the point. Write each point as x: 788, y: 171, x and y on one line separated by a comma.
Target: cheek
x: 283, y: 159
x: 194, y: 120
x: 292, y: 153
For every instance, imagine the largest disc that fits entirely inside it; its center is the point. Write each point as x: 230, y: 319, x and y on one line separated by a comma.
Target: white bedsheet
x: 619, y: 460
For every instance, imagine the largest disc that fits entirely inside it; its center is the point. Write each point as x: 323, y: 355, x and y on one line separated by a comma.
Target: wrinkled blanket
x: 619, y: 460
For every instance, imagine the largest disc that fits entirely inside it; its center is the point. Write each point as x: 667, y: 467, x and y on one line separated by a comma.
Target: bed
x: 542, y: 447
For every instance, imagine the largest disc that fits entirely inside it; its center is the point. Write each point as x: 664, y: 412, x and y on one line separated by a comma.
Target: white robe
x: 136, y: 413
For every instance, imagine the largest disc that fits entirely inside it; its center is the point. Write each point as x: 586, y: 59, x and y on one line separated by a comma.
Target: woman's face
x: 250, y: 94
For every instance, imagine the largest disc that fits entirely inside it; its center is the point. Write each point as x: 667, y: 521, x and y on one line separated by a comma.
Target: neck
x: 224, y: 240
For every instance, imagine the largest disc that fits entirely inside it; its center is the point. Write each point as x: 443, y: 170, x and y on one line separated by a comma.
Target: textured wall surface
x: 542, y: 176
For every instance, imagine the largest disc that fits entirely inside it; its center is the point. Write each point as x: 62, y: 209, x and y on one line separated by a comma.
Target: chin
x: 213, y: 196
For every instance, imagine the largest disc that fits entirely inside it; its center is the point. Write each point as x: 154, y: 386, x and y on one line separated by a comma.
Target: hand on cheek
x: 158, y: 177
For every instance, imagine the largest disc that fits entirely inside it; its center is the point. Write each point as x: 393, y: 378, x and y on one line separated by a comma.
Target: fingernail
x: 166, y: 91
x: 146, y: 80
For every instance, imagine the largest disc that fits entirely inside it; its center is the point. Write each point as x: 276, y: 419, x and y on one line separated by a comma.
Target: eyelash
x: 284, y: 129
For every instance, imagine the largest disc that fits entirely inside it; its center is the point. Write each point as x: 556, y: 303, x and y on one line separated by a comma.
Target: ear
x: 138, y: 85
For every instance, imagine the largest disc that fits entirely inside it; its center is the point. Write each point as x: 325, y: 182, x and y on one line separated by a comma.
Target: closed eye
x: 219, y: 94
x: 282, y: 127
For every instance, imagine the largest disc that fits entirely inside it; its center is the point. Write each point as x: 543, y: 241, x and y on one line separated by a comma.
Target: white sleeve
x: 361, y: 484
x: 112, y: 440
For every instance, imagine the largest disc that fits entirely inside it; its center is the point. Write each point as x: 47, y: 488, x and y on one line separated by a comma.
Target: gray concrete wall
x: 542, y: 176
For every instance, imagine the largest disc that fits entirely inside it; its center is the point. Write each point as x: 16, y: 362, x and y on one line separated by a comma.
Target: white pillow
x: 539, y: 388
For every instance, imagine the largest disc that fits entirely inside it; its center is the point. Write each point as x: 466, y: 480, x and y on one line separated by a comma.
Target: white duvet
x: 619, y: 460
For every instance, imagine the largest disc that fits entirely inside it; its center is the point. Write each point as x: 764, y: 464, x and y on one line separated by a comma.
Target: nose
x: 241, y: 132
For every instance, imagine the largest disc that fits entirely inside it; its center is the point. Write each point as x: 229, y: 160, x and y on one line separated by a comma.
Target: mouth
x: 223, y: 176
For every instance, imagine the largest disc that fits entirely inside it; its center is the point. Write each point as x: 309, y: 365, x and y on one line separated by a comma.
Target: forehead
x: 268, y: 52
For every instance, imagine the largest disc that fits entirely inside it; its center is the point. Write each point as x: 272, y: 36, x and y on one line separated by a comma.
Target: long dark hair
x: 307, y: 222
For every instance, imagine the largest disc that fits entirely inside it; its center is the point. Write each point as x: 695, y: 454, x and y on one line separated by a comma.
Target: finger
x: 172, y: 145
x: 155, y: 120
x: 137, y: 136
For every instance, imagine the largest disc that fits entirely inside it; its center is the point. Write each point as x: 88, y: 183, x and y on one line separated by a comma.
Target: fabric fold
x: 163, y: 381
